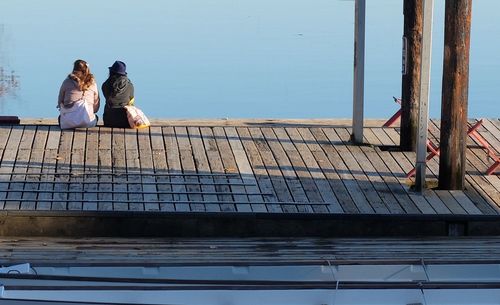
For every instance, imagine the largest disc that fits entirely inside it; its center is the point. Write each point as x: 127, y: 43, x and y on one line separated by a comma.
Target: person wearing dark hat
x: 119, y: 92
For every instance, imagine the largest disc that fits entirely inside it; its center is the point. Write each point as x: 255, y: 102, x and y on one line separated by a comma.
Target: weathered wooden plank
x: 188, y: 167
x: 217, y: 167
x: 20, y: 166
x: 63, y: 166
x: 329, y: 171
x: 311, y: 171
x: 450, y: 202
x: 380, y: 177
x: 275, y: 175
x: 230, y: 166
x: 8, y: 159
x: 77, y: 166
x: 105, y: 169
x: 133, y: 170
x: 174, y: 165
x: 49, y: 166
x: 286, y: 167
x: 34, y: 166
x: 465, y: 202
x: 91, y: 168
x: 352, y: 186
x: 119, y: 163
x: 202, y: 166
x: 407, y: 201
x: 355, y: 170
x: 147, y: 170
x: 259, y: 170
x: 161, y: 167
x: 397, y: 160
x: 298, y: 167
x: 245, y: 170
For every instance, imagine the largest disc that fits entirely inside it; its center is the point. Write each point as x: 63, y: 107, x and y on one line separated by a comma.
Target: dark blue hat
x: 119, y: 67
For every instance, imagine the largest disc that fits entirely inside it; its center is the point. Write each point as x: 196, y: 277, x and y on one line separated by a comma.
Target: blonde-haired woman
x: 78, y: 98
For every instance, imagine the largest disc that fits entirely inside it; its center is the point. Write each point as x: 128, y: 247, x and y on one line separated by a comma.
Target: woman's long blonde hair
x: 81, y: 74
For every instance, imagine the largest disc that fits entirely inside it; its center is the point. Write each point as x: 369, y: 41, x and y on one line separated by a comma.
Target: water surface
x: 229, y: 58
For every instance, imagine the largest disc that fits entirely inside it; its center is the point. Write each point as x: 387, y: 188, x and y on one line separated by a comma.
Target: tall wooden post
x: 359, y: 72
x: 425, y: 84
x: 455, y: 91
x: 410, y: 89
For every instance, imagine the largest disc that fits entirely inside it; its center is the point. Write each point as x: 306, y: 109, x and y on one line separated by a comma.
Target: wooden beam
x: 455, y: 94
x: 410, y: 85
x: 359, y: 71
x: 425, y: 78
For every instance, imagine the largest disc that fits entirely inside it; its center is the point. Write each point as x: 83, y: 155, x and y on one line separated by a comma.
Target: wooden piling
x: 410, y: 89
x: 454, y: 101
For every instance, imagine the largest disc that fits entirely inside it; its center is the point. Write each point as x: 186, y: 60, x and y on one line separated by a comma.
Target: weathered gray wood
x: 105, y: 166
x: 230, y: 166
x: 259, y: 170
x: 160, y: 165
x: 10, y: 141
x: 91, y: 167
x: 49, y: 166
x: 20, y: 166
x: 216, y: 166
x: 310, y: 171
x: 285, y: 165
x: 188, y: 166
x: 77, y: 166
x: 133, y: 169
x: 395, y: 158
x: 274, y: 172
x: 294, y: 164
x: 397, y: 186
x: 245, y: 170
x: 345, y: 175
x: 247, y: 251
x: 450, y: 202
x: 202, y: 166
x: 329, y: 171
x: 355, y: 171
x: 174, y: 164
x: 35, y: 166
x: 63, y: 165
x: 119, y: 163
x: 147, y: 169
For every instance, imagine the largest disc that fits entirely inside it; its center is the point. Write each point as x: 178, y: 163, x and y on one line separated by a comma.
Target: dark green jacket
x: 118, y: 91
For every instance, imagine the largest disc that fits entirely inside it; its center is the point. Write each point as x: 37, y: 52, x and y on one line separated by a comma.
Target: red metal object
x: 472, y: 131
x: 395, y: 116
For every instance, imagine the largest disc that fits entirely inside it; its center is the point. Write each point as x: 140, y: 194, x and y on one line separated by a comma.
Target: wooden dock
x: 231, y: 166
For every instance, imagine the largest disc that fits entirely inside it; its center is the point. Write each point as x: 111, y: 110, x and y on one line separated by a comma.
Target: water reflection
x: 9, y: 80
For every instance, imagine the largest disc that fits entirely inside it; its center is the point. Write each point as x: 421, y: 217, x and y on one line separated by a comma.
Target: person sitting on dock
x: 78, y: 98
x: 119, y: 92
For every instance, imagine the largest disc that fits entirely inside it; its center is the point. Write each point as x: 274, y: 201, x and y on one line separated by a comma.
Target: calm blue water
x: 229, y: 58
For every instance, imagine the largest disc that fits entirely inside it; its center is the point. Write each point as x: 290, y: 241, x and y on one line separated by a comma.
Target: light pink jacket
x: 70, y: 93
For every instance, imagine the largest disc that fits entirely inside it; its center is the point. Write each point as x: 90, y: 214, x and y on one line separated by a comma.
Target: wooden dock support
x: 425, y: 83
x: 359, y: 72
x: 454, y: 101
x: 410, y: 89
